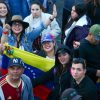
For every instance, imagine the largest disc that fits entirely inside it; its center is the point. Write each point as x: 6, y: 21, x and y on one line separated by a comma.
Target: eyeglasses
x: 16, y: 24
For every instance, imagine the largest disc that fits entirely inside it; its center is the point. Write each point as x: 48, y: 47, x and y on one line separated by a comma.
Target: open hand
x: 54, y: 11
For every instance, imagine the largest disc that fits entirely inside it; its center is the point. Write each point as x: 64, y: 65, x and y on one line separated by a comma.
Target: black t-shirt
x: 91, y: 53
x: 86, y: 88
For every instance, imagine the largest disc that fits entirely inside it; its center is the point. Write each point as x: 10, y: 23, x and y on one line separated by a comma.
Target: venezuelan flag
x: 35, y: 66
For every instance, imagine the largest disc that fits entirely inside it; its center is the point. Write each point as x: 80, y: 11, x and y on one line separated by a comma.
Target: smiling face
x: 17, y: 27
x: 3, y: 10
x: 64, y: 58
x: 35, y: 10
x: 48, y: 46
x: 74, y: 15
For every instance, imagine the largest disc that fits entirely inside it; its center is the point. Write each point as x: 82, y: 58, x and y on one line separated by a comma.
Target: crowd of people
x: 74, y: 47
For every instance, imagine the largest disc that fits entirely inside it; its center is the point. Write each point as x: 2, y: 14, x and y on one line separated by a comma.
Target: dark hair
x: 96, y: 2
x: 39, y: 4
x: 79, y: 60
x: 80, y: 9
x: 57, y: 62
x: 8, y: 16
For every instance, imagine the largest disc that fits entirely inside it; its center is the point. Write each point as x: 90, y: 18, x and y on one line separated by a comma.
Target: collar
x: 15, y: 86
x: 82, y: 21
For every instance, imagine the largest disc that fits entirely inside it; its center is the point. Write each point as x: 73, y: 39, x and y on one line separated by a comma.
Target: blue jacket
x: 27, y: 38
x: 27, y: 92
x: 1, y: 31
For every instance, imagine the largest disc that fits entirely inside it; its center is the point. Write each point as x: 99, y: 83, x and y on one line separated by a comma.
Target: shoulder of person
x: 25, y: 78
x: 3, y: 80
x: 27, y: 18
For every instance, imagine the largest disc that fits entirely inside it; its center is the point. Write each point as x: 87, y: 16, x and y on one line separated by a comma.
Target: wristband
x: 5, y: 33
x: 51, y: 19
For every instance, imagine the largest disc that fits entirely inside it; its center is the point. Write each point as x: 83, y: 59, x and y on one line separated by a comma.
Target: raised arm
x: 4, y: 37
x: 5, y: 33
x: 36, y: 32
x: 51, y: 18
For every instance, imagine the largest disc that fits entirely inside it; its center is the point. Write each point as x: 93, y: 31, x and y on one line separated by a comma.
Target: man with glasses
x: 15, y: 85
x: 82, y: 83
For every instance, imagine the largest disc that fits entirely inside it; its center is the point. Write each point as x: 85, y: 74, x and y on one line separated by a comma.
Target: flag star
x: 29, y: 68
x: 25, y: 66
x: 34, y: 77
x: 34, y: 74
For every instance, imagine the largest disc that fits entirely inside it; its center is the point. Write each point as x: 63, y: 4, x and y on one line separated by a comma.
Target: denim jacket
x: 1, y: 31
x: 27, y: 38
x: 19, y: 7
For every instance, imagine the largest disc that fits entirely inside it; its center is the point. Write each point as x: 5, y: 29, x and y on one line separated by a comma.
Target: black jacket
x: 60, y: 82
x: 86, y: 88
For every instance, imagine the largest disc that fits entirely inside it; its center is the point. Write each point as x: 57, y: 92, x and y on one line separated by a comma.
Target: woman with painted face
x: 34, y: 19
x: 78, y: 25
x: 59, y: 74
x: 16, y: 35
x: 48, y: 46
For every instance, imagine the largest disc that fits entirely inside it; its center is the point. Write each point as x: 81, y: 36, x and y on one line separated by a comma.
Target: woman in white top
x: 35, y: 18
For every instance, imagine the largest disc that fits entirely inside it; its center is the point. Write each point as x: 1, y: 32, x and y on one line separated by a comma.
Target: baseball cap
x: 70, y: 94
x: 95, y: 31
x: 63, y: 49
x: 47, y: 38
x: 15, y: 62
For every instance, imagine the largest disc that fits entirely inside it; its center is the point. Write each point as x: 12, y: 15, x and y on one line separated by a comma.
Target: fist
x: 6, y: 28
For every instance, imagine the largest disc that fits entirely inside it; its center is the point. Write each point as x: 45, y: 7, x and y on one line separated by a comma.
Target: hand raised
x: 54, y: 11
x: 51, y: 18
x: 6, y: 28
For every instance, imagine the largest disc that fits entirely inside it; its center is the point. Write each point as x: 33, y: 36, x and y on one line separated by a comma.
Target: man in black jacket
x: 82, y: 83
x: 89, y: 49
